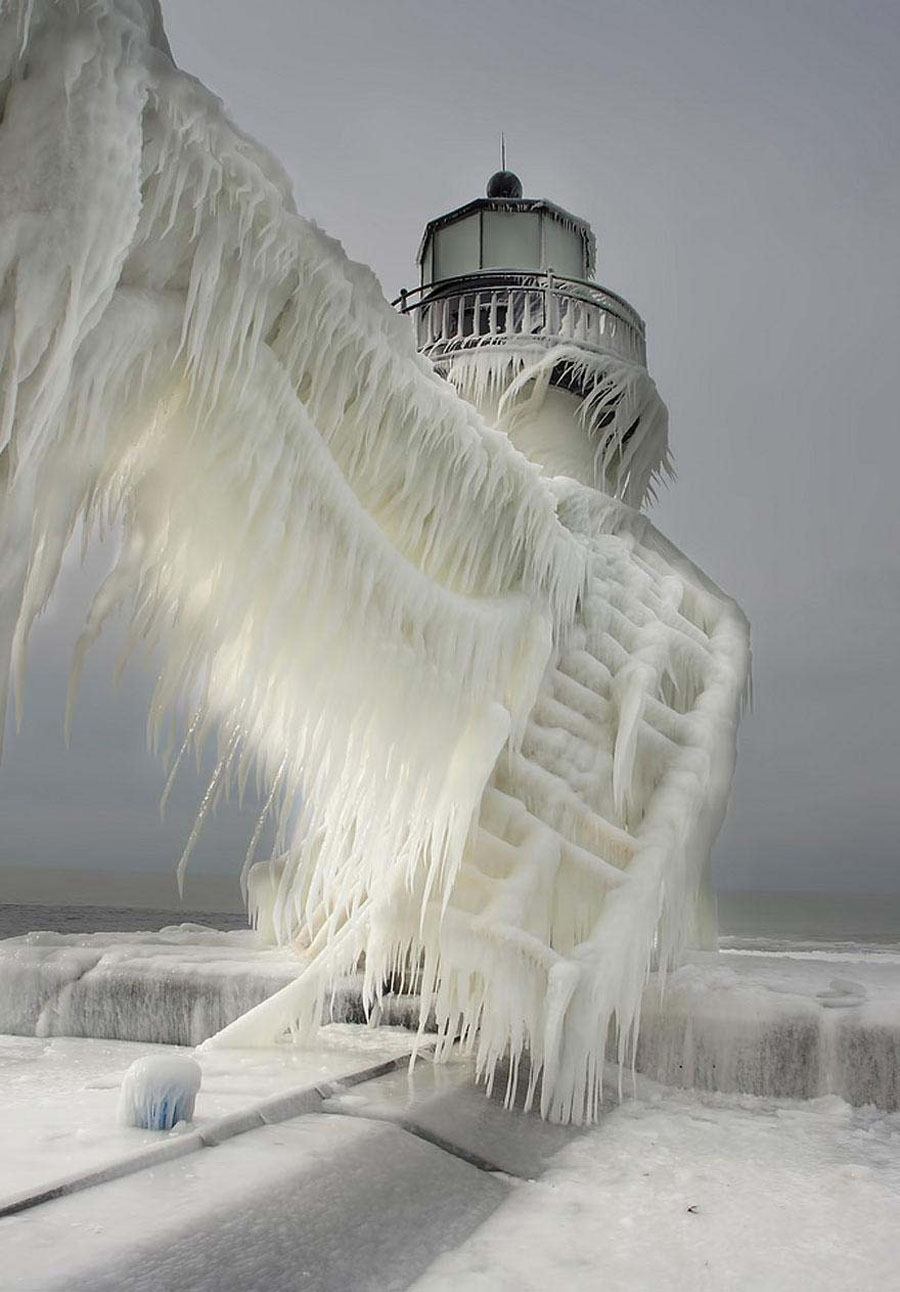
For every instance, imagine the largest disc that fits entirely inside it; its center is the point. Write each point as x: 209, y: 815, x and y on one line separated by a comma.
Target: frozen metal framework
x: 461, y: 315
x: 490, y: 710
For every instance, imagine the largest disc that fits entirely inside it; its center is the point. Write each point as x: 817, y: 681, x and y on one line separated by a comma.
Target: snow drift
x: 356, y: 586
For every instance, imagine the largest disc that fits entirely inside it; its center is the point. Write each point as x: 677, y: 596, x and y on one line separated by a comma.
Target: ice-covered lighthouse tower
x: 507, y: 309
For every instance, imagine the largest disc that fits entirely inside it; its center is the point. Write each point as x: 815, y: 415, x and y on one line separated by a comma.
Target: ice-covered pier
x: 794, y: 1027
x: 293, y: 1148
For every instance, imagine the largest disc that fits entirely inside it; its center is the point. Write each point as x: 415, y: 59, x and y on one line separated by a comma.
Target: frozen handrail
x: 499, y: 308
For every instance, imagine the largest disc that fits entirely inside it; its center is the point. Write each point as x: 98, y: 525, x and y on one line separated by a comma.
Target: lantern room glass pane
x: 456, y: 248
x: 565, y: 249
x: 426, y: 262
x: 511, y: 240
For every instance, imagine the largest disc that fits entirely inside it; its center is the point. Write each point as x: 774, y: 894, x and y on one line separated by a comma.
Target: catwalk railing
x: 505, y: 308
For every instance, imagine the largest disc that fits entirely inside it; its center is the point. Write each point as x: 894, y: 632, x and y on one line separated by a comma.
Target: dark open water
x: 28, y: 918
x: 837, y: 920
x: 765, y: 920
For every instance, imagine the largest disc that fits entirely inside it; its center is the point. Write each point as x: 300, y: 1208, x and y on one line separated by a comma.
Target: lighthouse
x: 508, y: 309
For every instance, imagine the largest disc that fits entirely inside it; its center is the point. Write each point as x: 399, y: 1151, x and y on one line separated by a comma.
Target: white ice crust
x: 618, y: 414
x: 159, y: 1091
x: 492, y: 716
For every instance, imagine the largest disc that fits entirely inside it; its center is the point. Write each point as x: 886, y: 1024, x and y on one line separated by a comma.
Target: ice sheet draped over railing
x: 617, y: 404
x: 590, y: 861
x: 353, y: 583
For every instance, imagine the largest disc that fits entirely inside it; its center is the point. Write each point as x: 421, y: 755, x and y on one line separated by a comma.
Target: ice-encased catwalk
x: 492, y: 716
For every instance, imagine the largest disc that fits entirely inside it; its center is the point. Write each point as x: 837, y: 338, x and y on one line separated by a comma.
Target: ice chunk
x: 159, y: 1091
x: 842, y: 993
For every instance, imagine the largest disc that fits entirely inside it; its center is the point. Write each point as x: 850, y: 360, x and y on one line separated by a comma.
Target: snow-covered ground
x: 677, y: 1191
x: 670, y: 1191
x: 320, y: 1202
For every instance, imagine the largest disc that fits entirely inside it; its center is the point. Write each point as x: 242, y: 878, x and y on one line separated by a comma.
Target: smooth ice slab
x: 60, y: 1095
x: 442, y: 1104
x: 322, y: 1202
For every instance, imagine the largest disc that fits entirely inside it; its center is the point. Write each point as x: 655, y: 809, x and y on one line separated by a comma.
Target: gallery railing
x: 503, y: 308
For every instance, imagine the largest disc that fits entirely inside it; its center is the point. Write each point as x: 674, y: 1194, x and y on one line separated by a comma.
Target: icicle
x: 623, y: 416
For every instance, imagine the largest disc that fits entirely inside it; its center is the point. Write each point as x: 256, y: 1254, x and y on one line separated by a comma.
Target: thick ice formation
x: 159, y: 1091
x: 622, y: 424
x: 376, y: 604
x: 178, y: 986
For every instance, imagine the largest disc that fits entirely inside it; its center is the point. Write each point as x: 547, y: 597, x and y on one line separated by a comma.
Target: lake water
x: 837, y: 921
x: 748, y: 921
x: 29, y: 918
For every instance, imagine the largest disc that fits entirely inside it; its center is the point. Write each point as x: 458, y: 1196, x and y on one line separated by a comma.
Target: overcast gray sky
x: 740, y: 164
